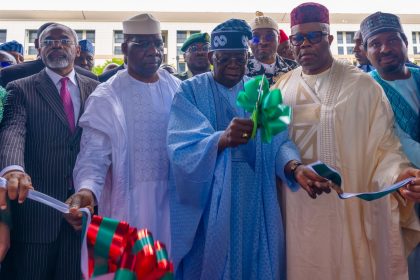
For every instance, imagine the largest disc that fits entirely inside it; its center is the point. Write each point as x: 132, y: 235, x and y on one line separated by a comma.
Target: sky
x: 267, y: 6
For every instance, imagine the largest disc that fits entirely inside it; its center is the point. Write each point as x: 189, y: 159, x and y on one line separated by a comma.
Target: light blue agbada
x: 225, y: 217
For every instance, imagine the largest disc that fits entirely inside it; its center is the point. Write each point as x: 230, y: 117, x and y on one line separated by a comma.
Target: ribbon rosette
x: 115, y: 247
x: 268, y: 112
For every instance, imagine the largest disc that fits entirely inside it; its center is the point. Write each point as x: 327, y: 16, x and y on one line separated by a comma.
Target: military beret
x: 195, y: 38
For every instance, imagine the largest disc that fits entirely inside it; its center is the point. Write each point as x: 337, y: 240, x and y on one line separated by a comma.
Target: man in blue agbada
x: 225, y: 217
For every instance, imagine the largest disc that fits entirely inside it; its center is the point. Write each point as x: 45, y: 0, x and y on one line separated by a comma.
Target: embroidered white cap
x: 142, y: 24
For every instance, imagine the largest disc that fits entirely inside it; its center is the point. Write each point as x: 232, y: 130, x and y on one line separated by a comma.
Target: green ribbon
x: 124, y: 274
x: 266, y: 108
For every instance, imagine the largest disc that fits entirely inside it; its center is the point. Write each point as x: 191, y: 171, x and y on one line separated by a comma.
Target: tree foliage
x: 97, y: 70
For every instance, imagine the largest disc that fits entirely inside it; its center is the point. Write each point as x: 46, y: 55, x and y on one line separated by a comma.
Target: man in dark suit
x: 29, y: 68
x: 39, y: 143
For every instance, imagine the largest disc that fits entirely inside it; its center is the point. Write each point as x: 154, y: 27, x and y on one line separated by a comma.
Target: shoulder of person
x: 86, y: 79
x: 281, y: 77
x: 85, y: 72
x: 182, y: 76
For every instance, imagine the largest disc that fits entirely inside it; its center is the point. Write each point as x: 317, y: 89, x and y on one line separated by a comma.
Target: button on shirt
x: 72, y: 86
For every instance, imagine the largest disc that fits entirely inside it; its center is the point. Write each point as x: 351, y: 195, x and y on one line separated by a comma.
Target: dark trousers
x: 34, y: 261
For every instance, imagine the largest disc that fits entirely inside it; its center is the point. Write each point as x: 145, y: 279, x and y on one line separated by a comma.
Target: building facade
x: 104, y: 29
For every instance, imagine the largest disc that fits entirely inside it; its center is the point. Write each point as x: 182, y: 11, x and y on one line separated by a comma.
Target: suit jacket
x: 105, y: 76
x: 35, y: 134
x: 29, y: 68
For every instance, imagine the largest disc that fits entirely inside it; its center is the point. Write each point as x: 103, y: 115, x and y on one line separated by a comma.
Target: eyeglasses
x: 313, y: 37
x: 267, y: 38
x: 61, y: 42
x: 225, y: 60
x: 4, y: 64
x: 195, y: 48
x: 145, y: 45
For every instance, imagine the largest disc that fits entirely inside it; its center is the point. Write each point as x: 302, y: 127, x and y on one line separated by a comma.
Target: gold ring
x: 245, y: 135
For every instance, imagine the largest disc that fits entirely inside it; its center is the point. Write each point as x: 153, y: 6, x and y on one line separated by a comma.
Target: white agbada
x: 123, y: 158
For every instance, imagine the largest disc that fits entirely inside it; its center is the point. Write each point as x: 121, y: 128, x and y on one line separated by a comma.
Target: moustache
x: 306, y: 53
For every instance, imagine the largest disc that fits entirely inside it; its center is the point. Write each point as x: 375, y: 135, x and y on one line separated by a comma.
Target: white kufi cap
x: 142, y: 24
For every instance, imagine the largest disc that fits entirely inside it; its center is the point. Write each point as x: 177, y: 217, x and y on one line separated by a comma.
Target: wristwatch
x: 295, y: 165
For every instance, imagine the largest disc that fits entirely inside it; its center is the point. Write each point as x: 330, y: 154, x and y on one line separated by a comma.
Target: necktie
x: 67, y: 103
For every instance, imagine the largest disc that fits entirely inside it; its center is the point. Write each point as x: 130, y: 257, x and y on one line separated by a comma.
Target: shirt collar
x: 56, y: 77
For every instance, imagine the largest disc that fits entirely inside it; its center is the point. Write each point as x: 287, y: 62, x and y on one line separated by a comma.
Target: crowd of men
x: 172, y: 152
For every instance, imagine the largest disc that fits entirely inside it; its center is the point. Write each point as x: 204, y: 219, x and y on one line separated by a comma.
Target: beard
x: 57, y: 62
x: 394, y: 68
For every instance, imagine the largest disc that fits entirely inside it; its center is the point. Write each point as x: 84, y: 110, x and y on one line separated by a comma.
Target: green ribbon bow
x: 268, y: 112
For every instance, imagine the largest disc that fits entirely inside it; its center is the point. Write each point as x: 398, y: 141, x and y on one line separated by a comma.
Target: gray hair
x: 55, y: 25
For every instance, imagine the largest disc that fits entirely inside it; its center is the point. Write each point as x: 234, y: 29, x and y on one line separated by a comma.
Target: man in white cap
x: 264, y: 44
x: 123, y: 163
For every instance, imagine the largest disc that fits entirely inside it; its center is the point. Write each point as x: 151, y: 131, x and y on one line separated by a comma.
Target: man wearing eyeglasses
x: 342, y: 117
x: 32, y: 67
x: 225, y: 216
x: 123, y: 162
x: 196, y: 49
x: 39, y: 142
x: 264, y: 43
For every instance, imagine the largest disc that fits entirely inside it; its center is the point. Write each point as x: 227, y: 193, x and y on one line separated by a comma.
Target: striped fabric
x: 35, y: 135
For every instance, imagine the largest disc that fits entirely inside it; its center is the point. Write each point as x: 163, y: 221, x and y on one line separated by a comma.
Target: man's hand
x: 18, y: 185
x: 4, y: 240
x: 312, y: 183
x: 412, y: 190
x: 238, y: 132
x: 81, y: 199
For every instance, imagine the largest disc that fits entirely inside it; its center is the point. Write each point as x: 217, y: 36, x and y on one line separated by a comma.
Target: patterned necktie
x: 67, y: 103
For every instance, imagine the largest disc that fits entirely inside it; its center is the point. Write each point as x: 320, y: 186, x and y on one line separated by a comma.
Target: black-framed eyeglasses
x: 225, y: 60
x: 313, y: 37
x: 195, y: 48
x: 61, y: 42
x: 4, y: 64
x: 256, y: 39
x: 145, y: 45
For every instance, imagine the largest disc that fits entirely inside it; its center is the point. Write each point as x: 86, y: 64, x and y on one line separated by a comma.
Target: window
x: 181, y: 37
x: 30, y: 42
x: 181, y: 67
x: 165, y: 46
x: 345, y: 42
x: 416, y: 42
x: 86, y: 34
x: 118, y: 39
x: 3, y: 34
